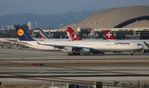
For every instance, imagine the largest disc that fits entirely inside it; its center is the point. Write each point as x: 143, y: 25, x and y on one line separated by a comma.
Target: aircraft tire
x: 131, y: 52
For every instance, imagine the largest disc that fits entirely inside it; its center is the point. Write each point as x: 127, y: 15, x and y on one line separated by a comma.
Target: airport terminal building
x: 121, y: 33
x: 125, y: 22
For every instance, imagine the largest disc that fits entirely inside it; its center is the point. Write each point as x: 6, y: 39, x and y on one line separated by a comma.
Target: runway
x: 34, y: 67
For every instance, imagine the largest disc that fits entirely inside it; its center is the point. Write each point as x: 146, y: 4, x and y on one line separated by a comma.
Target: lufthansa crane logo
x: 20, y: 32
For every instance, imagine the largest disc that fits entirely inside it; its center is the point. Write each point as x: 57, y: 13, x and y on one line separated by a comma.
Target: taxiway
x: 33, y: 67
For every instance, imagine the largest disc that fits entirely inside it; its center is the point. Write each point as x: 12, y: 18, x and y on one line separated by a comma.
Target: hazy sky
x: 62, y: 6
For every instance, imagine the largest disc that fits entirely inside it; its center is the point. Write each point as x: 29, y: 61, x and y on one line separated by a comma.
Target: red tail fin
x: 72, y: 34
x: 108, y: 35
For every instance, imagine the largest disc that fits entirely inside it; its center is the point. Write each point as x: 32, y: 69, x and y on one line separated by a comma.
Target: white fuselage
x: 135, y: 41
x: 96, y: 44
x: 8, y: 39
x: 35, y: 45
x: 101, y: 45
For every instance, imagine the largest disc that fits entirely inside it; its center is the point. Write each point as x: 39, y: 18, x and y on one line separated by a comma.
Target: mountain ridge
x: 45, y: 21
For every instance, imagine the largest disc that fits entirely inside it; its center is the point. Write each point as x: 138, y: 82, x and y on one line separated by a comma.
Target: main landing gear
x: 139, y: 52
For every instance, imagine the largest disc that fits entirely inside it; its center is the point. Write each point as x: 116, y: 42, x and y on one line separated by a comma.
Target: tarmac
x: 29, y: 66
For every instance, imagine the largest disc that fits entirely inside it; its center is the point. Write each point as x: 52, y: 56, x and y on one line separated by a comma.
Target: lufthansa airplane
x: 79, y: 46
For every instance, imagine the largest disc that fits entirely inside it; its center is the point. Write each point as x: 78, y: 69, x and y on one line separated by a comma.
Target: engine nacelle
x: 78, y: 51
x: 67, y: 49
x: 72, y: 50
x: 85, y: 51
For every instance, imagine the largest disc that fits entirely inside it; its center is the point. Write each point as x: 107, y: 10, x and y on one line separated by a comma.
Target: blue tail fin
x: 22, y: 33
x: 43, y: 34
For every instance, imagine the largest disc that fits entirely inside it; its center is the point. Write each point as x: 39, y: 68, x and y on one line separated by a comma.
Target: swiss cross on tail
x: 72, y: 34
x: 108, y: 35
